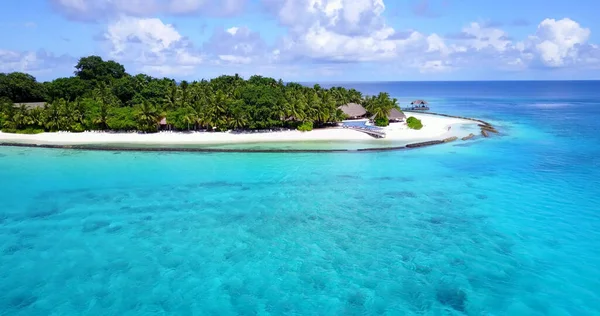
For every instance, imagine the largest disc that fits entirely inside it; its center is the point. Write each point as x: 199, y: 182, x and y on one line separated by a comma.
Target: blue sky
x: 307, y: 40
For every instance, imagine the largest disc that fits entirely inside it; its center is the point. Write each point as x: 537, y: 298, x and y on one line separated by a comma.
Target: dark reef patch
x: 348, y: 176
x: 44, y: 213
x: 92, y: 226
x: 21, y: 301
x: 113, y: 228
x: 436, y: 220
x: 12, y: 249
x: 481, y: 196
x: 401, y: 194
x: 452, y: 297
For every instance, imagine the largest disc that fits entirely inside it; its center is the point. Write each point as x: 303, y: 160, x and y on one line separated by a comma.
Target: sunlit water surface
x: 503, y: 226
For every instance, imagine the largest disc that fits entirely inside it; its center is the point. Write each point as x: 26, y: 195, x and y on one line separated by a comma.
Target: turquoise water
x: 502, y: 226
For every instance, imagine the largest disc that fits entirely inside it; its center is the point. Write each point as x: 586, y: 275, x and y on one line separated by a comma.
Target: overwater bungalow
x: 353, y: 111
x: 418, y: 105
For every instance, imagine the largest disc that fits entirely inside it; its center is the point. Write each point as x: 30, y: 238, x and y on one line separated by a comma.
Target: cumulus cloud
x: 460, y: 36
x: 434, y: 66
x: 324, y: 36
x: 346, y: 17
x: 339, y: 31
x: 555, y: 44
x: 40, y: 62
x: 152, y: 45
x: 87, y: 10
x: 560, y: 41
x: 486, y: 37
x: 238, y: 45
x: 348, y: 31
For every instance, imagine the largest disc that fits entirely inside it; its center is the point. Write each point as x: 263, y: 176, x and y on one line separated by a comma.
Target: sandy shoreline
x: 434, y: 128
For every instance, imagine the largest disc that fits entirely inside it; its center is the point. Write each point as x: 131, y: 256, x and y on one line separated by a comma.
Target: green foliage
x: 414, y: 123
x: 382, y: 121
x: 122, y: 119
x: 306, y: 127
x: 102, y: 96
x: 29, y: 130
x: 20, y: 87
x: 380, y: 106
x: 67, y: 88
x: 93, y: 68
x: 147, y: 117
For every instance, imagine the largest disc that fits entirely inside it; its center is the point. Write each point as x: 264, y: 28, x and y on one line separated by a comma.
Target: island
x: 102, y: 104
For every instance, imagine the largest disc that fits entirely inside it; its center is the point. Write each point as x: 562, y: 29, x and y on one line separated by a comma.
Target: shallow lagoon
x: 506, y: 225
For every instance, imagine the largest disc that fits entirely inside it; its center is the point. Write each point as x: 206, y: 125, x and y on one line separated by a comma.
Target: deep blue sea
x: 508, y: 225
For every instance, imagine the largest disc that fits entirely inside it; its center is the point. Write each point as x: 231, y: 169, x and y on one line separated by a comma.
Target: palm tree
x: 36, y: 117
x: 238, y: 120
x: 147, y: 116
x: 21, y: 117
x: 217, y: 110
x: 171, y: 98
x: 102, y: 115
x: 184, y: 93
x: 296, y: 109
x: 190, y: 116
x: 53, y: 116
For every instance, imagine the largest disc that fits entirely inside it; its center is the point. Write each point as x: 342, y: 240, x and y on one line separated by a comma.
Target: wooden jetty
x: 368, y: 131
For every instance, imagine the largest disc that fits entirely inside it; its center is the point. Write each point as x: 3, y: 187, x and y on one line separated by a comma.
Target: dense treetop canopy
x: 102, y: 96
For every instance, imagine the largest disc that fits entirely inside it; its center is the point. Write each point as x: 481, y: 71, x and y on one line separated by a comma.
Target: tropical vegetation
x: 414, y: 123
x: 102, y: 96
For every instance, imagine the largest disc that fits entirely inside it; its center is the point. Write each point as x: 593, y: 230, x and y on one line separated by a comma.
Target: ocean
x: 508, y: 225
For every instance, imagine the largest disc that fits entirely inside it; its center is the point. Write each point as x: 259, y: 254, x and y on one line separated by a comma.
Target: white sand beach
x: 434, y: 128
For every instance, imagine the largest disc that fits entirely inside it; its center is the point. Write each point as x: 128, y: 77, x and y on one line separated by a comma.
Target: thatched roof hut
x: 163, y: 121
x: 353, y: 110
x: 419, y: 102
x: 396, y: 115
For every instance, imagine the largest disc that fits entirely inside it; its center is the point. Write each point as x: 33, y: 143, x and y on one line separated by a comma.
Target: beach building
x: 31, y: 105
x: 418, y: 105
x: 163, y: 125
x: 396, y: 116
x: 354, y: 111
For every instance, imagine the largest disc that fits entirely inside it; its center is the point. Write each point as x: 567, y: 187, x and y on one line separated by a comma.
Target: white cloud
x: 433, y: 66
x: 436, y: 44
x: 325, y: 34
x: 485, y: 37
x: 238, y: 45
x: 556, y: 43
x: 232, y: 30
x: 153, y: 34
x: 151, y: 45
x: 235, y: 59
x: 35, y: 63
x: 339, y: 31
x: 559, y: 41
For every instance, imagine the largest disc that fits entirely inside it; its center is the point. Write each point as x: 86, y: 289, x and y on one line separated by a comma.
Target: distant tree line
x: 102, y: 96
